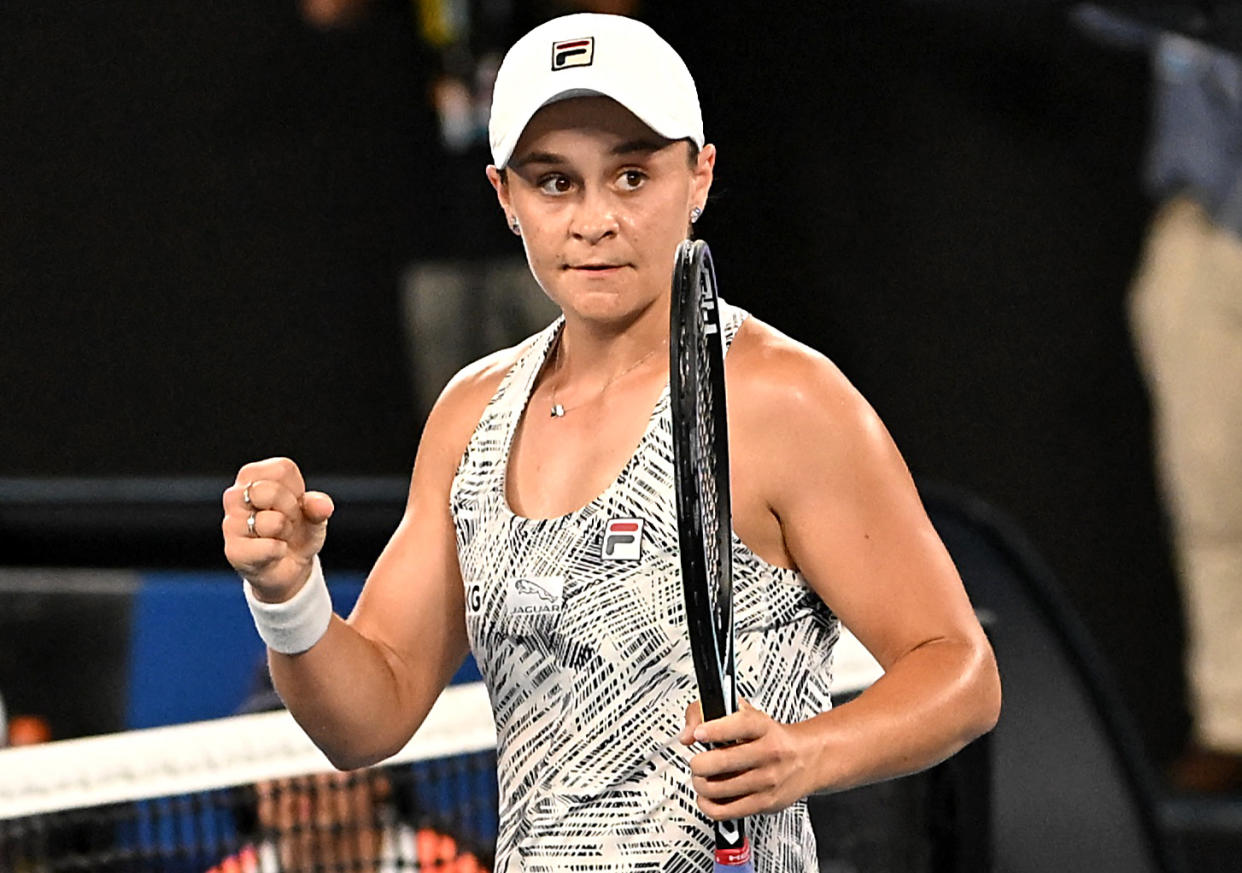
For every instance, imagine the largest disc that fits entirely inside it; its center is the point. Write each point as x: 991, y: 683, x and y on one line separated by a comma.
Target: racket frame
x: 694, y: 314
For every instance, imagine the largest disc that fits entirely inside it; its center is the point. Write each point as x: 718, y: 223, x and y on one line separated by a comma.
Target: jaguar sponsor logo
x: 535, y: 595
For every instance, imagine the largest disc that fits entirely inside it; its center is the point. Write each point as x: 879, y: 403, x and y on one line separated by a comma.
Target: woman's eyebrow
x: 638, y: 145
x: 628, y: 147
x: 537, y: 158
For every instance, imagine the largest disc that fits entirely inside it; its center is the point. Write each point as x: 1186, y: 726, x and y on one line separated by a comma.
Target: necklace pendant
x: 558, y: 411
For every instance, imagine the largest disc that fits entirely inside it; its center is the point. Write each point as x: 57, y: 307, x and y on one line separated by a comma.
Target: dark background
x: 206, y: 208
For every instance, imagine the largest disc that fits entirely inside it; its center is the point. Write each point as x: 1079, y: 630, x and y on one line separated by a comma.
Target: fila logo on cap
x: 573, y: 53
x: 623, y: 540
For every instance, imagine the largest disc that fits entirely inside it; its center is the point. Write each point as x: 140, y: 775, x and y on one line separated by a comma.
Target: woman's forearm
x: 929, y: 704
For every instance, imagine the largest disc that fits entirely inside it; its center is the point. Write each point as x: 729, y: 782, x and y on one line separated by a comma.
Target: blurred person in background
x: 1186, y: 315
x: 335, y: 820
x: 22, y: 730
x: 29, y: 730
x: 1186, y: 321
x: 476, y: 294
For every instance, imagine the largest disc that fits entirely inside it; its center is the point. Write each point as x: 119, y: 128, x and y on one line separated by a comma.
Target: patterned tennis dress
x: 578, y: 626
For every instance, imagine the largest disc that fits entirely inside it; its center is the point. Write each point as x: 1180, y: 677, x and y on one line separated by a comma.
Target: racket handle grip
x: 734, y: 860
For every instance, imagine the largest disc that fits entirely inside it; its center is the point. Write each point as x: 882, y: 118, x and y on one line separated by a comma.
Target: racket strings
x: 707, y: 463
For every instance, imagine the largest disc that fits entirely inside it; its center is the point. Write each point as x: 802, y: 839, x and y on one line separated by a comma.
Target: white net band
x: 168, y: 761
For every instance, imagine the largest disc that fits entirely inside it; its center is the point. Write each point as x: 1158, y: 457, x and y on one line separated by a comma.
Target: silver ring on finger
x: 250, y: 526
x: 246, y: 493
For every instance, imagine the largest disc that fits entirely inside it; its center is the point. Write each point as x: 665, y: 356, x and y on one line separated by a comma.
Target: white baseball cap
x: 589, y: 54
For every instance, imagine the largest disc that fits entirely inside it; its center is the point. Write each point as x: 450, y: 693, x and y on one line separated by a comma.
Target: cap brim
x: 503, y: 151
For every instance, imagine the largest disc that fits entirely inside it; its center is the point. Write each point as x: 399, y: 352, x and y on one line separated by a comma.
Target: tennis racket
x: 704, y: 519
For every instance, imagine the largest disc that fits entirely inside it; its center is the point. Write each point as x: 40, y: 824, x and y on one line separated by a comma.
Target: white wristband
x: 293, y: 626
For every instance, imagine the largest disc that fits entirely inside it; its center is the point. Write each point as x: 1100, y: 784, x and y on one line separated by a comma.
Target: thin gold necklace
x: 558, y: 411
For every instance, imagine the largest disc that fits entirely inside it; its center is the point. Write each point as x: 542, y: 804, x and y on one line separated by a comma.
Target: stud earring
x: 694, y: 214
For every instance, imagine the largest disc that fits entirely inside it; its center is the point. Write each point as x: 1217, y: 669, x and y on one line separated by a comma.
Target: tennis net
x: 252, y: 794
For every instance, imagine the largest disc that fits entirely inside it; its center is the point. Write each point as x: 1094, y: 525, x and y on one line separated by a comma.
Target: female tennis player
x: 541, y: 531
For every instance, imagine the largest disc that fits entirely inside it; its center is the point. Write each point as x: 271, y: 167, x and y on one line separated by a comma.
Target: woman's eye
x: 555, y: 183
x: 632, y: 179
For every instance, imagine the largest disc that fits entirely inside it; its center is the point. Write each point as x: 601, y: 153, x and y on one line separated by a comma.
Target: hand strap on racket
x: 294, y: 625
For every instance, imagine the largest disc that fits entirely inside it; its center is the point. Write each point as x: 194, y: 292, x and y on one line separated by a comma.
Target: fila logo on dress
x: 573, y: 53
x: 623, y: 540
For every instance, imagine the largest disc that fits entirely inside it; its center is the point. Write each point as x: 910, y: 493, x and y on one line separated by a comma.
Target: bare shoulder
x: 462, y: 402
x: 812, y: 448
x: 790, y: 392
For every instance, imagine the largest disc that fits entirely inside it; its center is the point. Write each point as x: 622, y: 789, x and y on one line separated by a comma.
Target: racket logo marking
x: 573, y: 53
x: 707, y: 304
x: 623, y: 540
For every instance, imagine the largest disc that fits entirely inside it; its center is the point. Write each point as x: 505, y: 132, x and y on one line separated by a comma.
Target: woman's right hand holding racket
x: 273, y: 527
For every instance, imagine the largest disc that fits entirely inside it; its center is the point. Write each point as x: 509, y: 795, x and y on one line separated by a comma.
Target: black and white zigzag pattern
x: 588, y: 664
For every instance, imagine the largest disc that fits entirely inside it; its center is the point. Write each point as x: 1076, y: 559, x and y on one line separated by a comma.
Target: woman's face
x: 602, y: 202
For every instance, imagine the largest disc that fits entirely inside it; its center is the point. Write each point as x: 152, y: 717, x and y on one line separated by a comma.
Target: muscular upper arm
x: 412, y: 605
x: 849, y: 513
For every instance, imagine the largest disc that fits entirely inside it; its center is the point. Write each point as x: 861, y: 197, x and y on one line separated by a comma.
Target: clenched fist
x: 273, y: 527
